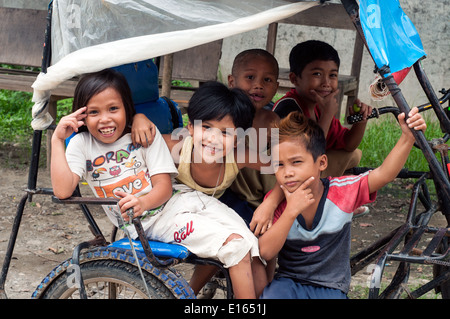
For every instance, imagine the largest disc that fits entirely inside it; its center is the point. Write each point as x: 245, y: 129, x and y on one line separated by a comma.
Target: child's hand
x: 142, y: 130
x: 415, y: 121
x: 360, y: 108
x: 328, y: 104
x: 69, y: 124
x: 129, y: 201
x: 261, y: 220
x: 300, y: 199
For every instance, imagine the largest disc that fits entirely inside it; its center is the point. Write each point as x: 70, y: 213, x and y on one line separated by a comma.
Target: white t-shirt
x: 119, y: 166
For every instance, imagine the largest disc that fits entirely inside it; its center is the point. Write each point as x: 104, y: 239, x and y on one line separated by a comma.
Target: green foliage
x: 181, y: 83
x: 381, y: 136
x: 64, y: 107
x: 15, y: 115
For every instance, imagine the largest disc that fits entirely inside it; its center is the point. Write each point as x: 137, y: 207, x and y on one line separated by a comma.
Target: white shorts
x: 202, y: 224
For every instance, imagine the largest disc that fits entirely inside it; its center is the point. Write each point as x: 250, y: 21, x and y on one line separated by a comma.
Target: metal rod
x: 34, y: 163
x: 76, y: 261
x: 435, y: 167
x: 431, y: 95
x: 11, y: 244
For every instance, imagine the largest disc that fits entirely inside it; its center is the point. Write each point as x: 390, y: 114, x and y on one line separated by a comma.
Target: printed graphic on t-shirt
x: 117, y: 171
x: 131, y: 185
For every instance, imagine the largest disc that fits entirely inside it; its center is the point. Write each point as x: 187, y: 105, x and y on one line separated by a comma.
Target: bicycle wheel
x: 112, y: 274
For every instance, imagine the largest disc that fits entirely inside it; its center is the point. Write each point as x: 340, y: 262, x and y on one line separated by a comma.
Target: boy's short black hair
x: 246, y: 55
x: 214, y: 101
x: 306, y: 52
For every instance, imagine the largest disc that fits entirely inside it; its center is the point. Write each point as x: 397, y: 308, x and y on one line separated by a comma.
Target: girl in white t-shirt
x: 103, y: 154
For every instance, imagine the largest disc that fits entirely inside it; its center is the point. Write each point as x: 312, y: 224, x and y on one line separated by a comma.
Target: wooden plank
x: 331, y: 15
x: 23, y: 83
x: 22, y: 33
x: 271, y: 43
x: 199, y: 63
x: 166, y: 83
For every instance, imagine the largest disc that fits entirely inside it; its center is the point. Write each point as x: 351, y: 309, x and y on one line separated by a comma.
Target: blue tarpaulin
x: 391, y: 37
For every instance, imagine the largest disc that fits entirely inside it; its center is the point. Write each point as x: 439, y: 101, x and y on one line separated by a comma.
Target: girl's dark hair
x: 296, y: 126
x: 306, y: 52
x: 214, y: 101
x: 94, y: 83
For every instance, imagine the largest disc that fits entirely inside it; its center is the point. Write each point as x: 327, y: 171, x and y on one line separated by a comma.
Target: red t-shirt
x: 291, y: 102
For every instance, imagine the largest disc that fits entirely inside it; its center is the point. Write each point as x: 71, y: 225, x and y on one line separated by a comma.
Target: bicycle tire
x: 102, y: 267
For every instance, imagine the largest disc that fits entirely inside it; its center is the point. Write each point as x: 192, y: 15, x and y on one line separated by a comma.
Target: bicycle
x: 125, y: 268
x: 437, y: 250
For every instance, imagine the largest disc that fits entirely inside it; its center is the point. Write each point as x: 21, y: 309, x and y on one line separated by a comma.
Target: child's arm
x: 271, y: 242
x: 63, y: 180
x: 159, y: 194
x: 394, y: 162
x: 263, y: 214
x: 142, y: 130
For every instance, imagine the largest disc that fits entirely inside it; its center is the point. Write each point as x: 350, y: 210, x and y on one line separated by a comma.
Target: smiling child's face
x: 213, y: 139
x: 319, y: 76
x: 258, y: 78
x: 106, y: 116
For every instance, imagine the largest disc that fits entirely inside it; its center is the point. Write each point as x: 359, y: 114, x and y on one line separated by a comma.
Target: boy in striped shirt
x: 311, y: 227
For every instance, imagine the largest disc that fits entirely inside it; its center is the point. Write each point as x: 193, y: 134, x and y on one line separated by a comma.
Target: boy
x: 254, y: 71
x: 314, y: 67
x: 311, y: 230
x: 208, y: 157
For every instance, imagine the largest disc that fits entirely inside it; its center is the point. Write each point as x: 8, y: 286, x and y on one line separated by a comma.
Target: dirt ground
x: 50, y: 231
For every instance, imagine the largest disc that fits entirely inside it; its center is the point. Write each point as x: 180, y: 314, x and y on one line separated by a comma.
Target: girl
x: 103, y: 106
x: 102, y: 152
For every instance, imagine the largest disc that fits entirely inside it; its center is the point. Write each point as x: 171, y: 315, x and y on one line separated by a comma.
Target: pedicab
x: 77, y: 43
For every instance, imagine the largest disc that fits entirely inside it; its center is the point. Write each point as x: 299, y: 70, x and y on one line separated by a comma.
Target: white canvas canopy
x: 91, y: 35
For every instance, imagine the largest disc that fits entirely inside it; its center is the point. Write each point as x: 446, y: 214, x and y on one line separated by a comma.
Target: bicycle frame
x: 415, y: 225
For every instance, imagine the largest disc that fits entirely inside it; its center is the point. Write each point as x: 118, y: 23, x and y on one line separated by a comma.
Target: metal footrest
x: 429, y: 255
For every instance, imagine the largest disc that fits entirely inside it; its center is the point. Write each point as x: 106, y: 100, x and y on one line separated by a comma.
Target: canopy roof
x: 89, y: 36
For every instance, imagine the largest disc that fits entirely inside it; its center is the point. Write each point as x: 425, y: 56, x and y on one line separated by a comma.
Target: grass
x: 381, y: 134
x: 15, y: 115
x: 15, y: 127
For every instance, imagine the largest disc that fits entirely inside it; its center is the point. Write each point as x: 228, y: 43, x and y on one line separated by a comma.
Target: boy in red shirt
x: 314, y: 67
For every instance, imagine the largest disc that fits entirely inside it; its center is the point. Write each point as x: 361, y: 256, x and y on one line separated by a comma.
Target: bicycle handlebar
x: 351, y: 119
